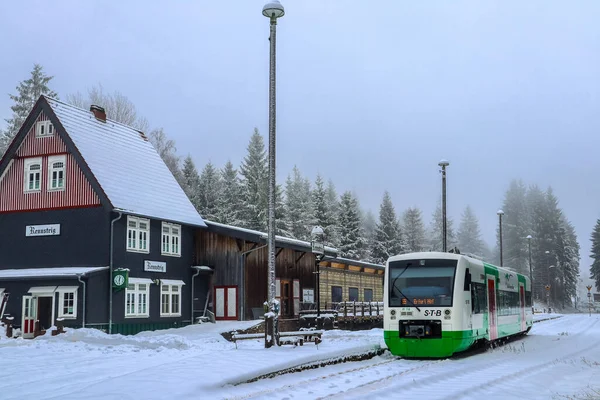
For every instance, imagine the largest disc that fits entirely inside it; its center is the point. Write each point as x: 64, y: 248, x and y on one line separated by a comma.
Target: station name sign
x: 42, y: 230
x: 155, y: 266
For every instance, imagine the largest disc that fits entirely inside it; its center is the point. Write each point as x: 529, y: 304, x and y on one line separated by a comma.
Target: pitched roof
x: 259, y: 237
x: 127, y: 167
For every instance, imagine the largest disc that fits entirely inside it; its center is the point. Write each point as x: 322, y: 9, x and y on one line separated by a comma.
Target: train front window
x: 421, y: 283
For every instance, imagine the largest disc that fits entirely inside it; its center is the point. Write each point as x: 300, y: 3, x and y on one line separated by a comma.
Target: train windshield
x: 421, y: 282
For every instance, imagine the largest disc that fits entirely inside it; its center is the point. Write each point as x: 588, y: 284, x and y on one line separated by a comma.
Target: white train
x: 437, y: 304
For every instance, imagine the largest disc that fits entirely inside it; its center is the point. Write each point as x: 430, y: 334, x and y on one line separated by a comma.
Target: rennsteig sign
x: 155, y: 266
x: 42, y: 230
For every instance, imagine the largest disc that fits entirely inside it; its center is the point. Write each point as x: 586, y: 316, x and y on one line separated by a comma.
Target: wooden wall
x: 224, y: 255
x: 347, y: 278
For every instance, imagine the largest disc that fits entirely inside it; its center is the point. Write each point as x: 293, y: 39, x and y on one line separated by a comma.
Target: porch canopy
x: 54, y: 272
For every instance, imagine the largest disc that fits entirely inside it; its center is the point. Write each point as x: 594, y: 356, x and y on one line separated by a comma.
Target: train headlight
x: 427, y: 330
x: 393, y: 312
x: 447, y: 312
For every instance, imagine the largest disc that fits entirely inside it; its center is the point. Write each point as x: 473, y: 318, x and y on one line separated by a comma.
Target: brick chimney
x: 99, y: 112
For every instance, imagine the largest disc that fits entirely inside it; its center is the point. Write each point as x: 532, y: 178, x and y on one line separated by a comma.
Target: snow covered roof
x: 262, y: 236
x: 55, y: 272
x: 349, y: 261
x: 127, y: 167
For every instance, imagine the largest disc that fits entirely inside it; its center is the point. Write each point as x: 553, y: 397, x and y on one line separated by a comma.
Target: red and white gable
x: 44, y: 175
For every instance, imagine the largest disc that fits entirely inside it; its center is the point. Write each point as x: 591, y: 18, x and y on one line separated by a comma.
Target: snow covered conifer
x: 255, y: 174
x: 595, y: 255
x: 230, y: 201
x: 469, y: 235
x: 191, y: 181
x: 298, y: 206
x: 209, y: 192
x: 351, y: 238
x: 28, y: 92
x: 436, y: 239
x: 413, y: 230
x: 388, y: 235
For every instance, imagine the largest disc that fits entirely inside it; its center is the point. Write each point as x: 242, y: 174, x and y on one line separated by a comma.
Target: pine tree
x: 436, y: 232
x: 191, y: 181
x: 388, y: 235
x: 414, y: 230
x: 595, y: 255
x: 298, y: 206
x: 281, y: 226
x: 28, y: 92
x: 210, y: 191
x: 255, y: 184
x: 469, y: 235
x: 230, y: 201
x: 369, y: 225
x: 570, y: 264
x: 515, y: 227
x: 351, y: 238
x: 541, y: 243
x: 333, y: 207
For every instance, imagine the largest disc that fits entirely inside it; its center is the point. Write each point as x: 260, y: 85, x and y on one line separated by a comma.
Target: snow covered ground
x: 559, y: 358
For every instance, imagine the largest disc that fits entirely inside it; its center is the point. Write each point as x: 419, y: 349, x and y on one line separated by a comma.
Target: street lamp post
x: 551, y: 279
x: 589, y: 288
x: 500, y: 214
x: 529, y: 237
x: 272, y: 10
x: 318, y: 248
x: 444, y: 164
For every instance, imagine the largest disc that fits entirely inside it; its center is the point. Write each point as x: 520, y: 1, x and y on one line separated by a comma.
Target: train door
x: 522, y: 298
x: 492, y: 314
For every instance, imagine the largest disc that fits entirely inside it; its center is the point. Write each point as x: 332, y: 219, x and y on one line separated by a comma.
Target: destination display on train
x: 419, y: 302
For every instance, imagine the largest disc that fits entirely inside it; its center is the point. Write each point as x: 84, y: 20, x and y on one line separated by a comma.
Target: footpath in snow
x: 197, y: 362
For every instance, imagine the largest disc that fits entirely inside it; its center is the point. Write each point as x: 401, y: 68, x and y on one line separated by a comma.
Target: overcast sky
x: 370, y: 94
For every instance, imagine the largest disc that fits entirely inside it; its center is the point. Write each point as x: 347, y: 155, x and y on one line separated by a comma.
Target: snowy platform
x: 197, y: 362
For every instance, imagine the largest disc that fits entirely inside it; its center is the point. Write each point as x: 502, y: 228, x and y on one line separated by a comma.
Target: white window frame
x: 136, y: 294
x: 170, y: 243
x: 135, y: 233
x: 67, y: 290
x: 51, y: 169
x: 168, y: 290
x: 44, y: 129
x: 29, y: 162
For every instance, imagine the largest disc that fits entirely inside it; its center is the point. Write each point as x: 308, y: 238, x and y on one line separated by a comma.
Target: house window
x: 67, y: 302
x: 170, y: 298
x: 44, y: 129
x: 137, y: 300
x: 138, y: 234
x: 353, y: 294
x: 336, y: 294
x: 368, y: 295
x: 56, y: 173
x: 33, y: 175
x: 171, y: 239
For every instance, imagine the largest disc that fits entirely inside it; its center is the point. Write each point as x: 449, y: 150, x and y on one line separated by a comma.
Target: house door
x: 28, y: 316
x: 226, y: 304
x: 44, y: 312
x: 492, y: 316
x: 522, y: 297
x: 286, y: 299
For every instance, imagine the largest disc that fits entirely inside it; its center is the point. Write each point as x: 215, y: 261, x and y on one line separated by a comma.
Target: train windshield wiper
x: 400, y: 291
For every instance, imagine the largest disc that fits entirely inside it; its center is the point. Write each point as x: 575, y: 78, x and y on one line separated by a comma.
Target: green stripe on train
x: 451, y: 342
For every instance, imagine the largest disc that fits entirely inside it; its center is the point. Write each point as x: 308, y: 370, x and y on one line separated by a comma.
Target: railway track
x: 515, y: 361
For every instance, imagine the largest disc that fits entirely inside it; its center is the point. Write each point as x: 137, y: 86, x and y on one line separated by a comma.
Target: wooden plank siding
x: 347, y: 279
x: 224, y: 254
x: 77, y: 192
